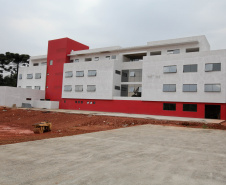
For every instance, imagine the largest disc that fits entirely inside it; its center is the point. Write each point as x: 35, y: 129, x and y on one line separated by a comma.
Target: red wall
x: 57, y: 51
x: 138, y: 107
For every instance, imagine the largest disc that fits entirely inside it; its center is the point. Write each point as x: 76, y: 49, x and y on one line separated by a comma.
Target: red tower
x: 57, y: 55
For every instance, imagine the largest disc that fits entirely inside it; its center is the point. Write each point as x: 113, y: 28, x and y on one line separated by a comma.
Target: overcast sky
x: 27, y: 25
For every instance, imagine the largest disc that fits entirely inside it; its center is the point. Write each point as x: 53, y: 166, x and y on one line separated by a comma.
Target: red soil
x: 16, y: 124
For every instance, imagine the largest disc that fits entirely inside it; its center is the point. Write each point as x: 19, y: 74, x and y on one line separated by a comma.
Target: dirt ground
x: 16, y: 124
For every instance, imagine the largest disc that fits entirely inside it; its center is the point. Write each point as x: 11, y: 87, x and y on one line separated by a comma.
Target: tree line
x: 5, y: 59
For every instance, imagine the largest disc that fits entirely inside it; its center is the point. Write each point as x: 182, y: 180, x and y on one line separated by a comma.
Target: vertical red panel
x: 57, y: 51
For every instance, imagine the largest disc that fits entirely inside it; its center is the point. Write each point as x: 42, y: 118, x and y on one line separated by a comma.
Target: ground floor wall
x: 142, y: 107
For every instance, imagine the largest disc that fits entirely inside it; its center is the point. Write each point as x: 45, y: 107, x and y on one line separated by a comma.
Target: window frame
x: 212, y: 87
x: 170, y: 88
x: 170, y: 106
x: 189, y: 107
x: 79, y: 73
x: 213, y: 67
x: 171, y: 69
x: 189, y: 87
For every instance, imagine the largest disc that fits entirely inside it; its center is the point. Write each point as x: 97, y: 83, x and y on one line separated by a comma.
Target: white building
x: 177, y: 77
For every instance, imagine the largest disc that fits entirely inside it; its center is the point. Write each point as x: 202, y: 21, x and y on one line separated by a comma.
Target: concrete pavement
x: 146, y: 154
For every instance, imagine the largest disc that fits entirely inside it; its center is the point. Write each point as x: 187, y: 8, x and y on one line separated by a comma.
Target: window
x: 212, y: 87
x: 88, y: 59
x: 92, y: 73
x: 190, y: 68
x: 43, y: 63
x: 28, y: 98
x: 169, y: 87
x: 139, y: 89
x: 213, y: 67
x: 113, y: 57
x: 76, y: 60
x: 35, y: 64
x: 87, y: 102
x: 67, y: 88
x: 51, y: 62
x: 94, y: 102
x: 29, y: 87
x: 68, y: 74
x: 190, y: 50
x: 153, y: 53
x: 108, y: 57
x: 20, y: 76
x: 190, y: 107
x: 96, y: 58
x: 174, y: 51
x: 91, y: 88
x: 81, y: 102
x: 37, y: 75
x: 170, y: 69
x: 37, y: 87
x: 29, y: 76
x: 169, y: 106
x: 132, y: 74
x: 189, y: 87
x: 75, y: 101
x: 78, y: 88
x: 117, y: 72
x: 79, y: 73
x: 117, y: 87
x: 71, y: 61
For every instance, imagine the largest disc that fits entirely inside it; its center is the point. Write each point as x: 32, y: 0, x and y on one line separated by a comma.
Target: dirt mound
x: 16, y: 124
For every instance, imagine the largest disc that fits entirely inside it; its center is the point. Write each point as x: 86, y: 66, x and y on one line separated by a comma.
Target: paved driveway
x: 145, y: 154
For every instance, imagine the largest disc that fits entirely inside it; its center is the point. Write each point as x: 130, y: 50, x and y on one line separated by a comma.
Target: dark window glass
x: 75, y: 101
x: 81, y: 102
x: 117, y: 72
x: 117, y: 87
x: 94, y: 102
x: 78, y: 101
x: 190, y: 68
x: 190, y: 107
x: 169, y: 106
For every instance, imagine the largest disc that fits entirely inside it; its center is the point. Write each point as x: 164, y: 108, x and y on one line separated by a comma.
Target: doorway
x: 213, y: 111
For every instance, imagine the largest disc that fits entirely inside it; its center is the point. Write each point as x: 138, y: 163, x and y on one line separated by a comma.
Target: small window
x: 117, y: 72
x: 64, y: 101
x: 153, y: 53
x: 81, y: 102
x: 75, y: 101
x: 212, y: 87
x: 117, y: 87
x: 169, y: 106
x: 108, y: 57
x: 190, y: 107
x: 78, y: 88
x: 189, y: 87
x: 96, y: 58
x: 174, y: 51
x: 88, y: 59
x: 29, y: 76
x: 191, y: 50
x: 20, y: 76
x: 37, y: 75
x: 91, y: 102
x: 91, y: 88
x: 170, y: 69
x: 76, y: 60
x: 71, y: 61
x: 28, y: 98
x: 68, y: 74
x: 132, y: 74
x: 113, y: 57
x: 87, y: 102
x: 35, y: 64
x: 79, y: 73
x: 213, y: 67
x: 67, y: 88
x: 51, y: 62
x: 190, y: 68
x: 43, y: 63
x: 28, y: 87
x: 37, y: 87
x: 94, y: 102
x: 169, y: 87
x: 78, y: 101
x: 92, y: 73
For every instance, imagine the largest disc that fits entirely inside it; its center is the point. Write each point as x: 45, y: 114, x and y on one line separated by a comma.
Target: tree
x: 17, y: 59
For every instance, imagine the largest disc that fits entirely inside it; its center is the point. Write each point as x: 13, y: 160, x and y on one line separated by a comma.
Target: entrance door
x: 213, y: 111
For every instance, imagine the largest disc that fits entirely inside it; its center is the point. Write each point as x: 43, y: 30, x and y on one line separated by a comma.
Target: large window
x: 78, y: 88
x: 169, y: 106
x: 190, y: 68
x: 169, y: 87
x: 91, y: 88
x: 67, y: 88
x: 132, y: 75
x: 79, y: 73
x: 212, y: 87
x: 68, y: 74
x: 190, y: 107
x: 37, y: 75
x: 170, y: 69
x: 29, y: 76
x: 173, y: 51
x: 189, y: 87
x: 213, y: 67
x: 131, y: 90
x: 92, y: 73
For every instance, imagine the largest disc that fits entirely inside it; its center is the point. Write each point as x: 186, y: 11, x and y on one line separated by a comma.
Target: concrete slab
x: 147, y: 154
x: 146, y: 116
